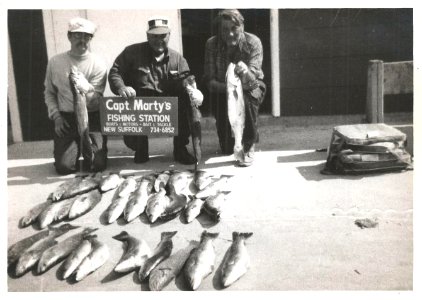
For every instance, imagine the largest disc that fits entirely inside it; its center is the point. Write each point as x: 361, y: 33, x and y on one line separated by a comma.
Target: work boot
x: 248, y: 158
x: 141, y: 150
x: 182, y: 156
x: 141, y: 157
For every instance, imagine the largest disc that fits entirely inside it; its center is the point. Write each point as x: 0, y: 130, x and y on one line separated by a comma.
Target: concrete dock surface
x: 303, y: 223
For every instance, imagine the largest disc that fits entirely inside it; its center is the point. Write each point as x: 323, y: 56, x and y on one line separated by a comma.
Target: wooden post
x: 275, y: 63
x: 12, y: 99
x: 375, y: 93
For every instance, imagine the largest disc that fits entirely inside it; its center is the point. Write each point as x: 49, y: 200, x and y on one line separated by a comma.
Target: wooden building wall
x: 324, y: 56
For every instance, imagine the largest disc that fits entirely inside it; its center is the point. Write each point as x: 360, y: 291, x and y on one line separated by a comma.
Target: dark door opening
x: 29, y: 55
x: 198, y: 26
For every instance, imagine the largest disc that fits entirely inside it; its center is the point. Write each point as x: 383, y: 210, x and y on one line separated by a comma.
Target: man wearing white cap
x: 90, y: 80
x: 153, y: 69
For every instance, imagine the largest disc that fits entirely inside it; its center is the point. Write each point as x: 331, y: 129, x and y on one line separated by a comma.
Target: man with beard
x: 153, y: 69
x: 90, y: 80
x: 233, y: 45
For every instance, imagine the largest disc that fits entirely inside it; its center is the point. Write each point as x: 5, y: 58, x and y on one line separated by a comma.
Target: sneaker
x: 182, y: 156
x: 248, y: 158
x: 141, y: 157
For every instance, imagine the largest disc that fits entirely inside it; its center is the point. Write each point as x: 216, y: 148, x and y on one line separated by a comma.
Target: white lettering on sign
x: 139, y: 104
x: 117, y: 106
x: 121, y: 118
x: 154, y: 118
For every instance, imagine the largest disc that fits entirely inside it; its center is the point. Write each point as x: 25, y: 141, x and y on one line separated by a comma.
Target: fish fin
x: 209, y: 234
x: 168, y: 234
x: 90, y: 237
x: 89, y: 230
x: 122, y: 236
x: 244, y: 235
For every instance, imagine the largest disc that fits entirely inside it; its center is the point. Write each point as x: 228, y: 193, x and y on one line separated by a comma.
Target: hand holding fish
x: 127, y: 91
x: 80, y: 82
x: 195, y: 96
x: 241, y: 68
x: 247, y: 78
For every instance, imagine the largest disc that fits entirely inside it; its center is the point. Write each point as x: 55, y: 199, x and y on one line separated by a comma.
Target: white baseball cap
x: 158, y: 25
x: 82, y: 25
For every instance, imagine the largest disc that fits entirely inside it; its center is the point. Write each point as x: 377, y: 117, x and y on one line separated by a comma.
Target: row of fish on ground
x: 162, y: 196
x: 82, y: 254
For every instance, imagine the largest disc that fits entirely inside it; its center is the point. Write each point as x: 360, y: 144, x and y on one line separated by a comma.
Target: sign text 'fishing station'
x: 151, y: 116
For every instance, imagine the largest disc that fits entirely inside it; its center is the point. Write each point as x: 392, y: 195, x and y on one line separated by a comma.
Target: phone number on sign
x: 162, y: 130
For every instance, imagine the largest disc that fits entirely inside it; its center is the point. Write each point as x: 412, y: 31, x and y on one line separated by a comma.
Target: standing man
x: 153, y: 69
x: 89, y: 78
x: 233, y: 45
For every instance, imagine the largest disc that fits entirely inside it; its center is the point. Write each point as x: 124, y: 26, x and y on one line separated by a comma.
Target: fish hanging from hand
x: 235, y: 109
x: 81, y: 115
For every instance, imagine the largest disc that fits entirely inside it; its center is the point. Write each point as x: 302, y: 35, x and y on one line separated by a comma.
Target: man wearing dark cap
x: 89, y: 79
x: 233, y: 45
x: 153, y: 69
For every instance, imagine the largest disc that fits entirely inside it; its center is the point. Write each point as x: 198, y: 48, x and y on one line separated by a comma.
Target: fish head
x: 25, y: 262
x: 42, y: 267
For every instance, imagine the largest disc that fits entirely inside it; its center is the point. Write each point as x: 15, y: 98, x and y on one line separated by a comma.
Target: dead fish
x: 84, y: 203
x: 168, y: 269
x: 202, y: 179
x: 236, y: 261
x: 81, y: 115
x: 201, y: 261
x: 75, y: 258
x: 31, y: 256
x: 110, y: 182
x: 213, y: 188
x: 18, y: 248
x: 126, y: 187
x: 55, y: 212
x: 87, y: 184
x: 176, y: 205
x: 160, y: 253
x: 161, y: 180
x: 235, y: 109
x: 180, y: 183
x: 62, y: 188
x: 116, y: 208
x: 61, y: 250
x: 156, y: 205
x: 136, y: 253
x: 98, y: 257
x: 195, y: 117
x: 33, y: 213
x: 138, y: 199
x: 214, y: 205
x: 193, y: 209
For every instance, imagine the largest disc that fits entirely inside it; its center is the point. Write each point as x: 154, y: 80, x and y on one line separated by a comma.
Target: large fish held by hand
x: 81, y: 114
x: 235, y: 109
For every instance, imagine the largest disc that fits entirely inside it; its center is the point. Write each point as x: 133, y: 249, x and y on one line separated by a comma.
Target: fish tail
x: 122, y: 236
x: 244, y: 235
x: 211, y: 235
x: 168, y: 234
